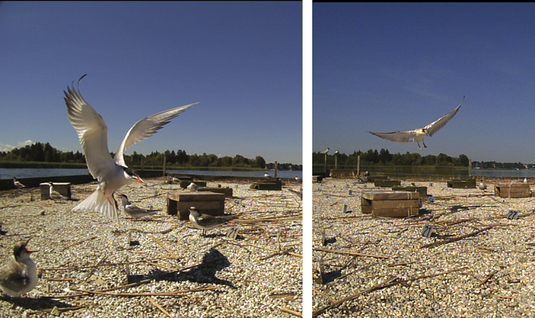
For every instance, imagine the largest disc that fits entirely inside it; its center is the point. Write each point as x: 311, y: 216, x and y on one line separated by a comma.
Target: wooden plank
x: 366, y: 206
x: 387, y: 183
x: 396, y: 212
x: 196, y: 196
x: 394, y: 204
x: 421, y: 190
x: 513, y: 190
x: 390, y: 195
x: 226, y: 191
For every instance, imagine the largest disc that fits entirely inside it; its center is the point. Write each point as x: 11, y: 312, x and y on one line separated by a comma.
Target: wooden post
x: 275, y: 173
x: 358, y: 165
x: 335, y: 161
x: 164, y: 162
x: 469, y: 167
x: 325, y: 164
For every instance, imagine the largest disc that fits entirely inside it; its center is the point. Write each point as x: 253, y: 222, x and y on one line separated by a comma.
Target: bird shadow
x: 330, y: 276
x: 35, y: 303
x: 212, y: 262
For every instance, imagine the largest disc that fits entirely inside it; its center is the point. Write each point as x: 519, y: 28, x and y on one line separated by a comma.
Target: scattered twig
x: 458, y: 238
x: 60, y: 309
x: 349, y: 253
x: 293, y: 312
x: 164, y: 247
x: 159, y: 307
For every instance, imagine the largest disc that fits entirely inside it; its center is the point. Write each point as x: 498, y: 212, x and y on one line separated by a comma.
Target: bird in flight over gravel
x: 417, y: 135
x: 19, y: 274
x: 111, y: 173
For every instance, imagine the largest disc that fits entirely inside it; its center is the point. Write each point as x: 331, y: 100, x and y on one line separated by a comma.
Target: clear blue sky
x: 242, y: 61
x: 387, y: 66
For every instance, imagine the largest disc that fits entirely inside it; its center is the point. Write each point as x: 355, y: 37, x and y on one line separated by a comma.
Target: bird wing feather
x: 433, y: 127
x: 400, y: 136
x: 145, y: 128
x: 92, y: 132
x: 13, y: 275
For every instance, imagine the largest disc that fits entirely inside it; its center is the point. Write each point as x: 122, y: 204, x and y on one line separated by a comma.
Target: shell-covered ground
x: 89, y: 266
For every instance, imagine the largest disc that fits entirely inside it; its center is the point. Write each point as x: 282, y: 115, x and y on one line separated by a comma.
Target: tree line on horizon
x: 39, y: 152
x: 384, y: 157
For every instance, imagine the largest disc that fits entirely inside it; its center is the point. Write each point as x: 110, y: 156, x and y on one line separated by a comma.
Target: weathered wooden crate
x: 226, y: 191
x: 267, y: 185
x: 421, y: 190
x: 206, y: 202
x: 395, y: 204
x: 462, y: 184
x: 185, y: 183
x: 386, y: 183
x: 64, y: 188
x: 512, y: 190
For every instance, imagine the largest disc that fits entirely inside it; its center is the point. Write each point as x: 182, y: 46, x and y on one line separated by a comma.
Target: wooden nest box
x: 394, y: 204
x: 63, y: 188
x: 206, y: 202
x: 512, y: 190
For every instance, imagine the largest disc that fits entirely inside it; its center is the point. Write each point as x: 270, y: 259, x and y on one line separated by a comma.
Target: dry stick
x: 389, y: 283
x: 348, y: 253
x: 159, y: 307
x: 61, y: 309
x: 164, y: 247
x: 80, y: 242
x: 487, y: 278
x: 175, y: 293
x: 455, y: 239
x: 293, y: 312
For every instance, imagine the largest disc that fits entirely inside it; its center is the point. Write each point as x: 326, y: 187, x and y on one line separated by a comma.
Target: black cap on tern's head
x: 132, y: 175
x: 20, y: 248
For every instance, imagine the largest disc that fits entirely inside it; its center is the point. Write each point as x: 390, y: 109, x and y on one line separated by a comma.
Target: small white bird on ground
x: 53, y: 194
x: 18, y: 184
x: 133, y: 210
x: 112, y: 174
x: 417, y: 135
x: 205, y: 221
x: 19, y: 275
x: 193, y: 187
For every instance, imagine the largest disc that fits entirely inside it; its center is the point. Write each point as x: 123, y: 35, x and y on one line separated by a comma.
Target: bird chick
x: 18, y: 275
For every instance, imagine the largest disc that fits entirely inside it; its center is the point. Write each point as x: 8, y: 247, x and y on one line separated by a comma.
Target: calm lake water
x: 21, y: 173
x: 503, y: 173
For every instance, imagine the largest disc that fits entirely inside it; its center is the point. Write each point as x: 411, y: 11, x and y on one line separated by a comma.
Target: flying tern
x: 111, y: 174
x: 417, y: 135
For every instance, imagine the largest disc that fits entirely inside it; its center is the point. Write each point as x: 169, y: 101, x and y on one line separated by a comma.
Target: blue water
x: 503, y: 173
x: 21, y: 173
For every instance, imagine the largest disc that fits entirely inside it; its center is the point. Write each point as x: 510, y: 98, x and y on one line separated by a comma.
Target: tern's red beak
x: 138, y: 179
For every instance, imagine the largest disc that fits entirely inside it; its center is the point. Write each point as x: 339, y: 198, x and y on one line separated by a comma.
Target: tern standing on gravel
x: 112, y: 174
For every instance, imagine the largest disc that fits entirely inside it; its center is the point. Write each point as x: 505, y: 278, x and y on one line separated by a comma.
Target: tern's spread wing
x: 400, y: 136
x: 145, y: 128
x: 92, y: 132
x: 439, y: 123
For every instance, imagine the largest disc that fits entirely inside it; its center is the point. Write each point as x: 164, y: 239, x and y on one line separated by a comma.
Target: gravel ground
x: 488, y: 272
x: 91, y: 267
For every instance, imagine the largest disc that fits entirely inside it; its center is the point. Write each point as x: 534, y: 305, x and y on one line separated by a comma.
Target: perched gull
x: 17, y: 183
x: 326, y: 151
x: 19, y: 275
x: 205, y: 221
x: 418, y: 134
x: 133, y: 210
x: 193, y: 187
x: 54, y: 194
x: 111, y: 174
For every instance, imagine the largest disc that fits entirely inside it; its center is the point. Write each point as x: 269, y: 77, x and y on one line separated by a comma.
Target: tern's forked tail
x: 97, y: 202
